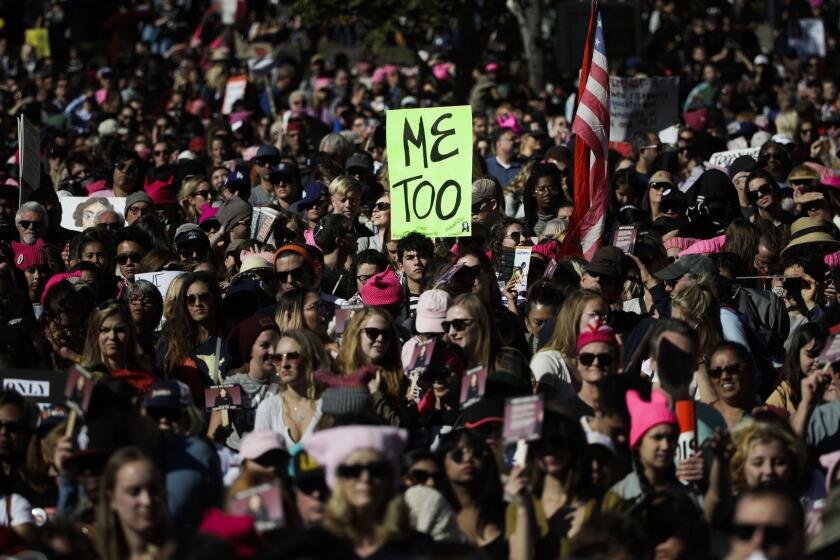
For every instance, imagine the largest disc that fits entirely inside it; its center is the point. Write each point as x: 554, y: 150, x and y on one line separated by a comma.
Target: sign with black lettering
x: 42, y: 386
x: 430, y: 169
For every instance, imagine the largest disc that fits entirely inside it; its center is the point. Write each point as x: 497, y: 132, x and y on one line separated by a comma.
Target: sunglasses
x: 763, y: 190
x: 311, y: 485
x: 516, y: 236
x: 11, y: 427
x: 660, y: 186
x: 123, y: 258
x: 588, y: 358
x: 376, y: 469
x: 773, y: 155
x: 272, y: 459
x: 421, y: 476
x: 363, y: 278
x: 374, y: 333
x: 278, y: 359
x: 26, y: 224
x: 802, y: 182
x: 204, y: 194
x: 458, y: 455
x: 476, y: 208
x: 382, y: 206
x: 544, y: 190
x: 125, y: 167
x: 731, y: 369
x: 773, y: 535
x: 458, y: 324
x: 162, y: 152
x: 192, y: 252
x: 296, y: 274
x: 195, y: 299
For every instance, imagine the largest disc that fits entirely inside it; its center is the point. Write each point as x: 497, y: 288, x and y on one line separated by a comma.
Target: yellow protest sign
x: 430, y: 170
x: 40, y: 39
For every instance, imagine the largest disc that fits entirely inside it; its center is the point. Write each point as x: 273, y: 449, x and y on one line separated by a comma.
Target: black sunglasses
x: 457, y: 454
x: 376, y: 469
x: 123, y: 258
x: 731, y: 369
x: 295, y: 273
x: 382, y: 206
x: 27, y: 224
x: 125, y: 167
x: 312, y: 484
x: 588, y: 358
x: 660, y: 186
x: 457, y: 324
x: 374, y: 333
x: 204, y: 194
x: 773, y: 534
x: 11, y: 427
x: 421, y: 476
x: 773, y: 155
x: 193, y: 299
x: 763, y: 190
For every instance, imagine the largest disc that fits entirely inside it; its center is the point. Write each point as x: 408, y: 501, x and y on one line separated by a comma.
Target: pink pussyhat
x: 645, y: 415
x: 596, y: 331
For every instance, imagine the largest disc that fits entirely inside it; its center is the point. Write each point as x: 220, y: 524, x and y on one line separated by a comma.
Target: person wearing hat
x: 487, y: 201
x: 383, y: 290
x: 285, y: 182
x: 264, y: 452
x: 360, y: 165
x: 237, y: 184
x: 605, y: 273
x: 234, y: 215
x: 266, y: 160
x: 739, y: 171
x: 34, y: 263
x: 294, y: 268
x: 313, y: 204
x: 252, y: 342
x: 191, y: 243
x: 658, y: 183
x: 428, y: 321
x: 309, y: 483
x: 137, y: 204
x: 598, y: 356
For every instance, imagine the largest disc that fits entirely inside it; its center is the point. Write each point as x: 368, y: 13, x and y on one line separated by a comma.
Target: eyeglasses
x: 11, y: 427
x: 374, y: 333
x: 588, y: 358
x: 27, y: 224
x: 660, y: 186
x: 762, y: 190
x: 802, y: 182
x: 458, y: 324
x: 421, y: 476
x: 545, y: 190
x: 296, y: 274
x: 195, y: 299
x: 141, y: 302
x: 731, y: 369
x: 376, y: 469
x: 382, y: 206
x: 135, y: 210
x: 772, y: 534
x: 123, y: 258
x: 651, y: 147
x: 278, y: 359
x: 192, y: 252
x: 459, y: 454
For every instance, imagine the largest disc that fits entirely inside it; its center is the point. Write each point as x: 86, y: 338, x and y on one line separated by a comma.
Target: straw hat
x: 810, y: 230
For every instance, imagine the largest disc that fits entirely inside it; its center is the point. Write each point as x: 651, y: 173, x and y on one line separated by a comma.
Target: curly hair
x: 751, y: 432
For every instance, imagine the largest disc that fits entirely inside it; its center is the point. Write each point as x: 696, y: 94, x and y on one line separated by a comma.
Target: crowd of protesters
x: 725, y: 305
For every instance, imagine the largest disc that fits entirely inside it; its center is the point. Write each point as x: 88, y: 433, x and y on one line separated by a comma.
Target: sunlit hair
x: 289, y: 314
x: 180, y: 331
x: 390, y: 515
x: 188, y: 189
x: 699, y: 307
x: 351, y: 357
x: 751, y: 432
x: 92, y: 353
x: 483, y: 352
x: 567, y: 328
x: 343, y: 183
x: 109, y: 537
x: 314, y: 357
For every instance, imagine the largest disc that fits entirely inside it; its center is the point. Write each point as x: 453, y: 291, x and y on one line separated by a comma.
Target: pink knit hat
x: 331, y: 447
x: 645, y: 415
x: 382, y: 289
x: 55, y: 279
x: 162, y: 192
x: 27, y: 256
x: 596, y: 331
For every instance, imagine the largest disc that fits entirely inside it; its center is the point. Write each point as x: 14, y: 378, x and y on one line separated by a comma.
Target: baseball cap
x: 259, y: 442
x: 360, y: 160
x: 695, y: 264
x: 607, y: 261
x: 483, y: 189
x: 431, y: 311
x: 312, y: 193
x: 237, y: 180
x: 267, y: 151
x: 189, y: 236
x: 170, y: 395
x: 283, y: 171
x: 662, y: 177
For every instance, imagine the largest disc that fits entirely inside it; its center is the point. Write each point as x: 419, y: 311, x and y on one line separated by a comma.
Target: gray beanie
x: 231, y: 211
x: 338, y: 401
x: 134, y: 198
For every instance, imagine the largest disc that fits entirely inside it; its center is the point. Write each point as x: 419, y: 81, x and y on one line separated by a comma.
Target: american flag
x: 592, y: 129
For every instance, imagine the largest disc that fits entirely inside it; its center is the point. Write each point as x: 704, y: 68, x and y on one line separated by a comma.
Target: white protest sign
x: 724, y: 159
x: 161, y: 279
x: 807, y: 37
x: 642, y: 104
x: 79, y: 212
x: 234, y: 91
x: 29, y: 145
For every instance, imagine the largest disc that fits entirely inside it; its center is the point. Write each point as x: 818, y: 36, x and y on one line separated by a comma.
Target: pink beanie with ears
x: 596, y: 331
x: 645, y: 415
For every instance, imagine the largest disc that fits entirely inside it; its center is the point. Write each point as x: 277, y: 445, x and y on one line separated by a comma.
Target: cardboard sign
x: 473, y: 386
x: 162, y: 280
x: 504, y: 269
x: 262, y: 224
x: 430, y: 169
x: 725, y: 159
x: 624, y: 238
x: 234, y: 91
x: 263, y: 503
x: 79, y: 212
x: 222, y: 397
x: 831, y: 352
x: 641, y: 104
x: 343, y: 315
x: 42, y: 386
x: 29, y: 145
x: 523, y: 418
x: 521, y: 265
x: 79, y: 389
x: 421, y: 356
x: 40, y: 39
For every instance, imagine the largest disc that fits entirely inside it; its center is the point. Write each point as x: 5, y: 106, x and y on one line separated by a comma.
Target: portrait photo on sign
x: 79, y: 389
x: 79, y: 212
x: 262, y: 503
x: 222, y: 397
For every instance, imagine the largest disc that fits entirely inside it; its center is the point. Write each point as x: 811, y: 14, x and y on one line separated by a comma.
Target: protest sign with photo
x: 222, y: 397
x: 642, y: 104
x: 79, y: 389
x: 473, y: 386
x: 263, y: 503
x: 523, y: 418
x: 521, y: 265
x: 79, y: 212
x: 343, y: 315
x: 430, y: 171
x: 234, y: 91
x: 624, y: 238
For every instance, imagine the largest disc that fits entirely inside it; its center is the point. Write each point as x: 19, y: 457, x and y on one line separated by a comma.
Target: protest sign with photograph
x: 550, y: 269
x: 262, y: 224
x: 343, y: 315
x: 521, y: 265
x: 430, y: 171
x: 624, y: 238
x: 79, y: 212
x: 263, y: 503
x: 473, y: 385
x: 504, y: 269
x: 523, y: 418
x: 234, y: 91
x: 78, y: 389
x: 222, y: 397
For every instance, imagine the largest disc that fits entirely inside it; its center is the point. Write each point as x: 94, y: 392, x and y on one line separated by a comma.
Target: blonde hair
x: 351, y: 357
x: 188, y: 188
x: 483, y: 351
x: 750, y: 432
x: 172, y: 295
x: 343, y: 183
x: 567, y: 327
x: 699, y: 306
x: 92, y: 354
x: 314, y: 357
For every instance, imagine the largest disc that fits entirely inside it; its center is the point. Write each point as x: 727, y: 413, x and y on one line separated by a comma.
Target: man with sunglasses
x: 646, y: 148
x: 293, y: 268
x: 32, y: 222
x: 310, y: 486
x: 767, y: 523
x: 131, y: 245
x: 775, y: 159
x: 487, y: 202
x: 191, y: 243
x: 266, y: 160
